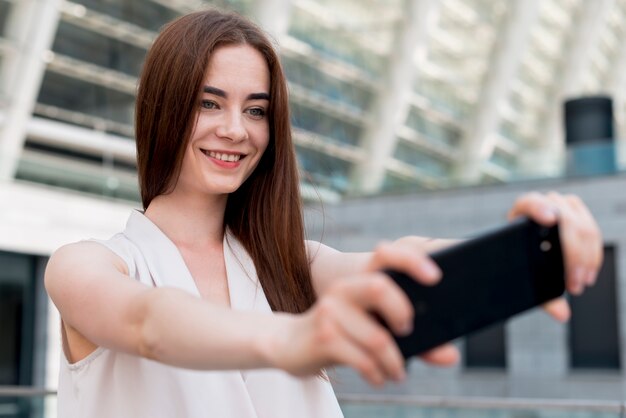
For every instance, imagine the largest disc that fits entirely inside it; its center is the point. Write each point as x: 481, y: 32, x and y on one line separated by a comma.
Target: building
x: 418, y: 95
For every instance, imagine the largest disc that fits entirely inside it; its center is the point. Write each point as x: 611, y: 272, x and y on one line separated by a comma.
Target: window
x: 486, y: 349
x: 332, y: 127
x: 593, y: 329
x: 324, y: 170
x: 424, y: 162
x: 17, y: 318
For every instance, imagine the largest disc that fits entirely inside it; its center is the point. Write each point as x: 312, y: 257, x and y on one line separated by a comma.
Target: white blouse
x: 109, y: 383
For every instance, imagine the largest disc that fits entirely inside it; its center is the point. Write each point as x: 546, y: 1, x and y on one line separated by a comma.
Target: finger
x: 537, y: 207
x: 591, y: 278
x: 559, y: 309
x: 591, y: 235
x: 580, y: 236
x: 574, y: 201
x: 370, y: 336
x: 378, y: 293
x: 575, y: 243
x: 407, y: 258
x: 444, y: 355
x: 343, y: 351
x: 575, y: 272
x: 345, y: 330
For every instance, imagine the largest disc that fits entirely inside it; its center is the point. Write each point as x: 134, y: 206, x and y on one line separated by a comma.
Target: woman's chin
x: 223, y: 188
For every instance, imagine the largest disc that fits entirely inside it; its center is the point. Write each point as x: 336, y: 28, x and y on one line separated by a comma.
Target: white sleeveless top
x: 109, y: 383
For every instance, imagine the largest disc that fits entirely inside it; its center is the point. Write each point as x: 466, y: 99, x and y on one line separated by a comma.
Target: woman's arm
x: 96, y: 298
x: 88, y: 284
x: 327, y: 263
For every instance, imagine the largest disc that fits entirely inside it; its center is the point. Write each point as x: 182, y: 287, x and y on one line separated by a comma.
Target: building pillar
x: 616, y: 86
x: 392, y: 105
x: 31, y: 28
x: 586, y: 32
x: 273, y: 17
x: 481, y: 135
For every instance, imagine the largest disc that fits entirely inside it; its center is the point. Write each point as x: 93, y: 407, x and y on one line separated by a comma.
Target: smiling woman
x: 210, y: 302
x: 209, y: 93
x: 219, y: 182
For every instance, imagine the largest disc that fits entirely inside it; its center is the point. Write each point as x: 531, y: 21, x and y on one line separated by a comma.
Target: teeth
x: 225, y: 157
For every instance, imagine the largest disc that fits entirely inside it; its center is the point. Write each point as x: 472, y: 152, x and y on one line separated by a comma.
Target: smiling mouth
x: 222, y: 156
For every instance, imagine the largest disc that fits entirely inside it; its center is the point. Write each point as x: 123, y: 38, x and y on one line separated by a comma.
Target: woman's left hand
x: 581, y: 240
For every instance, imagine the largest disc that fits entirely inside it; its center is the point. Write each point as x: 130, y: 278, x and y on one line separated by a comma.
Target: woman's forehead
x: 238, y: 67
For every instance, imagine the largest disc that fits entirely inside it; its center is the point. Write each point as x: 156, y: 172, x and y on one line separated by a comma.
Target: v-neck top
x: 109, y: 383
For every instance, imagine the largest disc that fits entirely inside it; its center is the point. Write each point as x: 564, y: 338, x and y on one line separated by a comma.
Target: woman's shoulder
x: 86, y: 254
x: 316, y: 249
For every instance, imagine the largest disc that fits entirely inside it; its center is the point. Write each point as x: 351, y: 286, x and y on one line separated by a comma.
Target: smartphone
x: 486, y: 279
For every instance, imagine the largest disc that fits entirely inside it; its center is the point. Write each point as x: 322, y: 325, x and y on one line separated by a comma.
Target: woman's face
x: 232, y: 129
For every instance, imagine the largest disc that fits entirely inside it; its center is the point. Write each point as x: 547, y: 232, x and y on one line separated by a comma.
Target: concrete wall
x: 537, y: 354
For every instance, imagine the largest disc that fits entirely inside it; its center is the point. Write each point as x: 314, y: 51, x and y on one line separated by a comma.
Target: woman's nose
x: 232, y: 127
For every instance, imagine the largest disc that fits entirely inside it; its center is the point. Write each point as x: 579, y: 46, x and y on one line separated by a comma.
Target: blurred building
x: 385, y: 95
x: 420, y: 94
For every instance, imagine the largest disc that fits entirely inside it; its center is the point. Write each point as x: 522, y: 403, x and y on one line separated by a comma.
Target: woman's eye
x: 209, y: 104
x: 256, y: 112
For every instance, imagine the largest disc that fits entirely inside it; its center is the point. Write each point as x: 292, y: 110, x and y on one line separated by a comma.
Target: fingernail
x: 580, y: 275
x: 590, y: 278
x: 405, y: 328
x: 577, y: 281
x: 431, y: 271
x: 550, y: 214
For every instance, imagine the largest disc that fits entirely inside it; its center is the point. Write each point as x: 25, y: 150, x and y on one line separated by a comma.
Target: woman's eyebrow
x: 258, y: 96
x: 221, y: 93
x: 215, y: 91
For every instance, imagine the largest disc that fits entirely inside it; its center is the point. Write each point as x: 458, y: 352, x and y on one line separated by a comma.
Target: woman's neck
x: 190, y: 221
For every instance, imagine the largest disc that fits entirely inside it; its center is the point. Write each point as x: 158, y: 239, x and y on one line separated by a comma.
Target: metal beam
x: 91, y: 73
x: 84, y: 140
x: 106, y: 25
x: 31, y: 26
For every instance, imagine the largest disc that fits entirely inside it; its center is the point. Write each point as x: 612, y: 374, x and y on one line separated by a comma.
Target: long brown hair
x: 265, y: 213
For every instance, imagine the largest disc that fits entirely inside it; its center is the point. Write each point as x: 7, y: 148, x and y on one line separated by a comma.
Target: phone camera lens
x: 544, y: 232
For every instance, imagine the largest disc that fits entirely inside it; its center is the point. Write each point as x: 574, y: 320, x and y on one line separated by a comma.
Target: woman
x: 173, y: 316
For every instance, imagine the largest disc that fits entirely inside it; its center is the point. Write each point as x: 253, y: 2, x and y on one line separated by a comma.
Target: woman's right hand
x: 340, y: 329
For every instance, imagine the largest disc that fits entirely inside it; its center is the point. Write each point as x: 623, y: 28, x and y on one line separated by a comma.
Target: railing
x: 28, y: 402
x: 403, y: 406
x: 24, y: 392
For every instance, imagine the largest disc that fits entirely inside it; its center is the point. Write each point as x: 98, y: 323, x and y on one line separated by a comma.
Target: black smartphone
x: 486, y: 279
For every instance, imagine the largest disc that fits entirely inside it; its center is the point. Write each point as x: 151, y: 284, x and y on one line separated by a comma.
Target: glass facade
x: 339, y: 58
